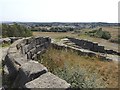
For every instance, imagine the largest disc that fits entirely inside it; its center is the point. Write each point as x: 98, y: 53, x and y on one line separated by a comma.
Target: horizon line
x: 53, y: 22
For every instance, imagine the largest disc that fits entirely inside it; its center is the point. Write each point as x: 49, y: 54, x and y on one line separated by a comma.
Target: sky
x: 59, y: 10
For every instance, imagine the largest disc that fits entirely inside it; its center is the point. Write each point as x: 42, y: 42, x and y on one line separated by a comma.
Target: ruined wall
x: 88, y: 45
x: 23, y: 69
x: 92, y: 46
x: 80, y: 51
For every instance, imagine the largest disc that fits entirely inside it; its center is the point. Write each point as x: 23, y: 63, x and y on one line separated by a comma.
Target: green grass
x: 80, y: 71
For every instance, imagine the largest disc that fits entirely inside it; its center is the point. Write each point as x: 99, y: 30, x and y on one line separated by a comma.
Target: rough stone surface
x: 18, y: 58
x: 26, y: 49
x: 33, y: 51
x: 12, y: 68
x: 22, y: 68
x: 13, y: 39
x: 29, y: 55
x: 28, y: 72
x: 33, y: 67
x: 92, y: 46
x: 47, y: 80
x: 6, y: 70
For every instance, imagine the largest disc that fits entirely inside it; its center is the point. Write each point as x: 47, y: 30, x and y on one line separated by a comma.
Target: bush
x: 100, y: 34
x: 15, y: 30
x: 80, y: 78
x: 106, y: 35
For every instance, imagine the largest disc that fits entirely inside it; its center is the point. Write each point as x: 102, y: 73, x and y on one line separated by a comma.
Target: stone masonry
x: 23, y: 68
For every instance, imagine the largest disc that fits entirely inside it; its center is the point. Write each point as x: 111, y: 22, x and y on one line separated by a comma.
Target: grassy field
x: 81, y: 71
x: 109, y: 45
x: 106, y: 43
x: 54, y: 35
x: 113, y: 31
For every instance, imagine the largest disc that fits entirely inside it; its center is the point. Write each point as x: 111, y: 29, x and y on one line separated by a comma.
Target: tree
x: 15, y: 30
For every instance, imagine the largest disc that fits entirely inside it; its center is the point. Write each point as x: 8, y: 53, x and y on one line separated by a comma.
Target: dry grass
x: 54, y: 34
x: 106, y: 73
x: 113, y: 31
x: 103, y: 42
x: 57, y: 35
x: 97, y: 73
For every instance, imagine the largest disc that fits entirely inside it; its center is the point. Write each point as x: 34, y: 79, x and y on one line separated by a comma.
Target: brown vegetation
x: 81, y: 71
x: 81, y: 35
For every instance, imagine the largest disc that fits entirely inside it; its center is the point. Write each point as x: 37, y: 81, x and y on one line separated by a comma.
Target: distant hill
x: 65, y: 23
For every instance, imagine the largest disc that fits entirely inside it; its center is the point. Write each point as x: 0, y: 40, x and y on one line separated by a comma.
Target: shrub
x: 106, y: 35
x: 15, y: 30
x: 100, y: 34
x: 80, y: 78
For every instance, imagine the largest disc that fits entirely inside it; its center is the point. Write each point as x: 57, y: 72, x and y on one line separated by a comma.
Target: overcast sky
x: 59, y: 10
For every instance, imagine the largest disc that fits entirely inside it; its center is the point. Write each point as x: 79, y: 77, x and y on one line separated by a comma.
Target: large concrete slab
x: 47, y: 80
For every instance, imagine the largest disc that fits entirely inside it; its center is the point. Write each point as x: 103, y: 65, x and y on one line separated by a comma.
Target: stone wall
x: 80, y: 51
x: 88, y: 45
x: 92, y: 46
x: 23, y: 69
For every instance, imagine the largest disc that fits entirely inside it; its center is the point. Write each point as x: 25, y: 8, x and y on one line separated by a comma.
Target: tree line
x: 15, y: 30
x: 54, y: 29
